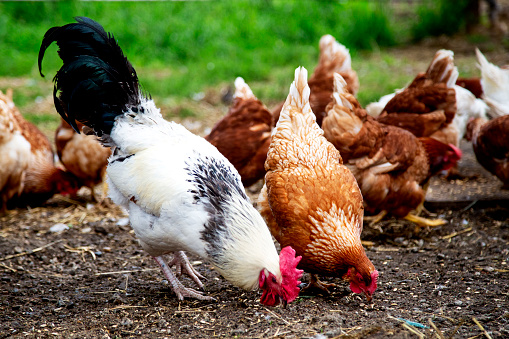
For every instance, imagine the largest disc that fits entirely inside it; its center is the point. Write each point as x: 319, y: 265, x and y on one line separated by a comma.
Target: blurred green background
x: 186, y: 47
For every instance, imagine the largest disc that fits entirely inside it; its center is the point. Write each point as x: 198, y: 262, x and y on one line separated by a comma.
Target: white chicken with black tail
x: 181, y: 193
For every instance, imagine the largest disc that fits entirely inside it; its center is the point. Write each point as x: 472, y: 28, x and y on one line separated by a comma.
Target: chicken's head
x: 284, y: 288
x: 452, y: 156
x: 362, y: 283
x: 67, y: 184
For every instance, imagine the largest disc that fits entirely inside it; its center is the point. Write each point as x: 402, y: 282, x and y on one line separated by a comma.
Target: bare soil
x: 93, y: 280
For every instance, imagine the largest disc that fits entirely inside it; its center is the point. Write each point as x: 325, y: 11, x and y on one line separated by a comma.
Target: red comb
x: 288, y: 265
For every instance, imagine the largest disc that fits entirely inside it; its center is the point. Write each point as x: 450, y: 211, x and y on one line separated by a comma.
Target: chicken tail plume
x: 242, y: 90
x: 96, y: 82
x: 296, y: 115
x: 442, y: 69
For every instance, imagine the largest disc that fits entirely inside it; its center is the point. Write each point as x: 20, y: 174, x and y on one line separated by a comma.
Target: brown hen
x: 42, y: 179
x: 243, y: 135
x: 390, y: 164
x: 310, y: 200
x: 491, y: 145
x: 428, y: 105
x: 83, y: 156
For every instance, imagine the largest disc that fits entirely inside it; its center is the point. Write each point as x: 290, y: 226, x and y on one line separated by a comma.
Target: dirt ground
x: 75, y: 270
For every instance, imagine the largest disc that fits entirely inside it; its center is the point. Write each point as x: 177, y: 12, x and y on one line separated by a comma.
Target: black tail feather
x: 96, y: 82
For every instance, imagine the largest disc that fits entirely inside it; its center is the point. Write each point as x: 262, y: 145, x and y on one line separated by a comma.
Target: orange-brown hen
x: 390, y: 164
x: 243, y: 135
x: 334, y: 58
x: 42, y: 179
x: 310, y: 200
x: 428, y: 105
x: 83, y: 156
x: 14, y: 153
x: 491, y: 145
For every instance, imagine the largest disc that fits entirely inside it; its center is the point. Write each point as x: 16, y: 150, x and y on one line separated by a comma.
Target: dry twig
x: 481, y: 327
x: 38, y: 249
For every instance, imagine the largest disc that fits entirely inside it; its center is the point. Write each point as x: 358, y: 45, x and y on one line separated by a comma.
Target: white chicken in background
x: 181, y: 193
x: 495, y: 85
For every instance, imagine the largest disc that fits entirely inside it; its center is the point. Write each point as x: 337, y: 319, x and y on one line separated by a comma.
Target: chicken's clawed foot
x: 180, y: 290
x: 374, y: 219
x: 181, y: 262
x: 315, y: 283
x: 423, y: 222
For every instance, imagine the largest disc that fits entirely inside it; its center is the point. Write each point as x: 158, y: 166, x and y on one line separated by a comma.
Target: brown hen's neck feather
x: 435, y: 151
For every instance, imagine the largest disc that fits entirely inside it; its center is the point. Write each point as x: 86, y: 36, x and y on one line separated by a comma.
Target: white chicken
x: 181, y: 193
x: 495, y: 85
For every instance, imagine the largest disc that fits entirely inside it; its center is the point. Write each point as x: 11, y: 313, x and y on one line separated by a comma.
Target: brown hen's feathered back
x: 429, y: 102
x: 243, y: 135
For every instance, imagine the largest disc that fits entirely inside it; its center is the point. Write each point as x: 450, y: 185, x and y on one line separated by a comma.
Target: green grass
x: 196, y: 45
x: 183, y: 48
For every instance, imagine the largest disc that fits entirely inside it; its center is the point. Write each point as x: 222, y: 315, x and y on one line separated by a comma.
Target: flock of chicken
x: 325, y: 160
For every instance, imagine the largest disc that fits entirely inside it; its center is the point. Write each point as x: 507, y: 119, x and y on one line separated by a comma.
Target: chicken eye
x: 274, y: 280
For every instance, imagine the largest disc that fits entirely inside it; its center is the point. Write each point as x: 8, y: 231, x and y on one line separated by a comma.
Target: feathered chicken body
x: 82, y: 155
x: 495, y: 85
x: 310, y: 200
x: 181, y: 193
x: 14, y: 153
x: 41, y: 178
x: 491, y: 145
x: 428, y: 104
x: 390, y: 164
x: 243, y: 135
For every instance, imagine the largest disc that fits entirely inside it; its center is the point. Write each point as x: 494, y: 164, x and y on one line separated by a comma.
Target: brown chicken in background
x: 334, y: 58
x: 427, y: 106
x: 311, y: 201
x: 243, y: 135
x: 83, y: 156
x: 391, y: 165
x: 490, y: 142
x: 14, y: 153
x: 42, y: 179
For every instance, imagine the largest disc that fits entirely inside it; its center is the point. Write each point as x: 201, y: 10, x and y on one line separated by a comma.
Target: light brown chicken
x: 390, y: 164
x: 491, y: 145
x: 14, y: 153
x: 428, y: 105
x: 310, y: 200
x: 83, y: 156
x: 334, y: 58
x: 243, y: 135
x: 42, y: 179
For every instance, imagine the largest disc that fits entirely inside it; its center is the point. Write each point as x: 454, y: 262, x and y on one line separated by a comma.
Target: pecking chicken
x: 491, y: 145
x: 14, y: 153
x: 334, y: 58
x: 495, y: 85
x: 181, y: 193
x: 428, y: 104
x: 390, y: 164
x: 41, y: 179
x: 83, y: 156
x: 243, y: 135
x: 310, y: 201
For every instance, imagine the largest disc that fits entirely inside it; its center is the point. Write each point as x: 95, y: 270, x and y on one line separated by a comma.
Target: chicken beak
x: 284, y: 302
x: 369, y: 297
